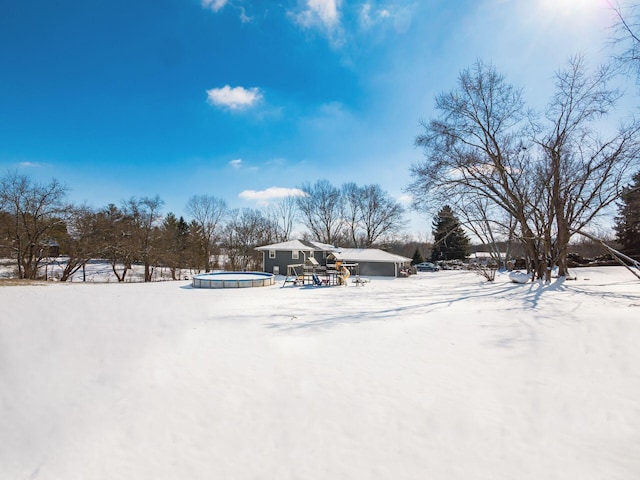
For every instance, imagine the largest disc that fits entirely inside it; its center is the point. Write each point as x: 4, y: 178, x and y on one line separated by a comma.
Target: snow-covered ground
x: 437, y: 376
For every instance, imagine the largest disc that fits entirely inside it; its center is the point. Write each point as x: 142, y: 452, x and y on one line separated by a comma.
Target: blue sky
x: 241, y: 99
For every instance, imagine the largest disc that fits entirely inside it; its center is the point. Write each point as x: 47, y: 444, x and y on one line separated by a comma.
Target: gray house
x: 277, y: 256
x: 371, y: 261
x: 374, y: 262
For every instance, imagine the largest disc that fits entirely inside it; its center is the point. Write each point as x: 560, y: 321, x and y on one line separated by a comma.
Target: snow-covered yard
x: 437, y: 376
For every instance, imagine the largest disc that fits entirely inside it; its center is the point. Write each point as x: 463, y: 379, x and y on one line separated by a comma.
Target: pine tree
x: 450, y: 240
x: 627, y: 225
x: 417, y: 257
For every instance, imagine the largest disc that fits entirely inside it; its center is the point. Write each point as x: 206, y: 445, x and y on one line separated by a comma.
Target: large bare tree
x: 552, y: 177
x: 381, y: 214
x: 370, y: 214
x: 116, y: 239
x: 495, y: 228
x: 32, y: 214
x: 283, y: 214
x: 581, y: 170
x: 352, y: 213
x: 175, y: 241
x: 475, y: 149
x: 246, y: 230
x: 209, y: 213
x: 321, y: 210
x: 145, y: 213
x: 626, y: 37
x: 80, y: 242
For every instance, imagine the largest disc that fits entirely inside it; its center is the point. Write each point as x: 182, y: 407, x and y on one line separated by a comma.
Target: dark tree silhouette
x: 417, y: 257
x: 627, y: 225
x: 450, y: 240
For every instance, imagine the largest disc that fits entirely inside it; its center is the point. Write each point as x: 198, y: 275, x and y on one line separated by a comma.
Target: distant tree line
x: 36, y: 219
x: 352, y: 216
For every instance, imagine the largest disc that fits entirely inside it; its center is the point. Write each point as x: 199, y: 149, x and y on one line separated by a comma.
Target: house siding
x: 285, y: 258
x: 376, y: 269
x: 378, y: 263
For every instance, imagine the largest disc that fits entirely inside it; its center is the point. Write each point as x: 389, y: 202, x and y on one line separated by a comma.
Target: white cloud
x: 332, y: 109
x: 333, y: 116
x: 244, y: 18
x: 278, y: 162
x: 271, y: 193
x: 233, y: 98
x: 370, y: 17
x: 366, y: 20
x: 29, y: 165
x: 236, y: 163
x: 323, y: 13
x: 215, y: 5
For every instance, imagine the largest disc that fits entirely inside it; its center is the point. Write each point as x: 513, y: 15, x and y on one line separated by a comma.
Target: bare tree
x: 208, y: 212
x: 246, y: 230
x: 321, y: 210
x: 79, y: 243
x: 551, y: 177
x: 174, y: 239
x: 582, y: 173
x: 626, y: 37
x: 352, y: 198
x: 116, y: 240
x: 145, y: 214
x: 495, y: 229
x: 476, y: 147
x: 370, y: 214
x: 381, y: 214
x: 283, y: 214
x: 197, y: 262
x: 6, y: 235
x: 33, y: 212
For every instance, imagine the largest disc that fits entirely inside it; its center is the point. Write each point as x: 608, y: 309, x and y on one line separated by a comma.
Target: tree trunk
x: 562, y: 244
x: 148, y: 272
x: 118, y: 276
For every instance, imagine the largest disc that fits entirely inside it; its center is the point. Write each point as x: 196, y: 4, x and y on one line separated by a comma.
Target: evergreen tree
x: 417, y: 257
x: 450, y: 240
x: 175, y: 244
x: 627, y: 225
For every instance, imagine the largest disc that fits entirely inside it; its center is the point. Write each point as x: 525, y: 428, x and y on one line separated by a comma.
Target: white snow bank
x: 441, y: 376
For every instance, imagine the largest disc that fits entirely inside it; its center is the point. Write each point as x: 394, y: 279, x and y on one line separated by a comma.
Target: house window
x: 311, y: 254
x: 272, y: 254
x: 295, y: 255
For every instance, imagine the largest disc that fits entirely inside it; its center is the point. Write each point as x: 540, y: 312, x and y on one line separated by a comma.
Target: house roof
x: 346, y: 254
x: 486, y: 255
x: 296, y: 245
x: 373, y: 255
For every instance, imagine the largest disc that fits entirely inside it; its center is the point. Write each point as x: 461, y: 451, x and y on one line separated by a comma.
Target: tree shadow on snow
x: 368, y: 314
x: 512, y: 297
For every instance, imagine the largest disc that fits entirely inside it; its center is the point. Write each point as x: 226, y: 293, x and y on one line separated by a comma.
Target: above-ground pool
x: 233, y: 280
